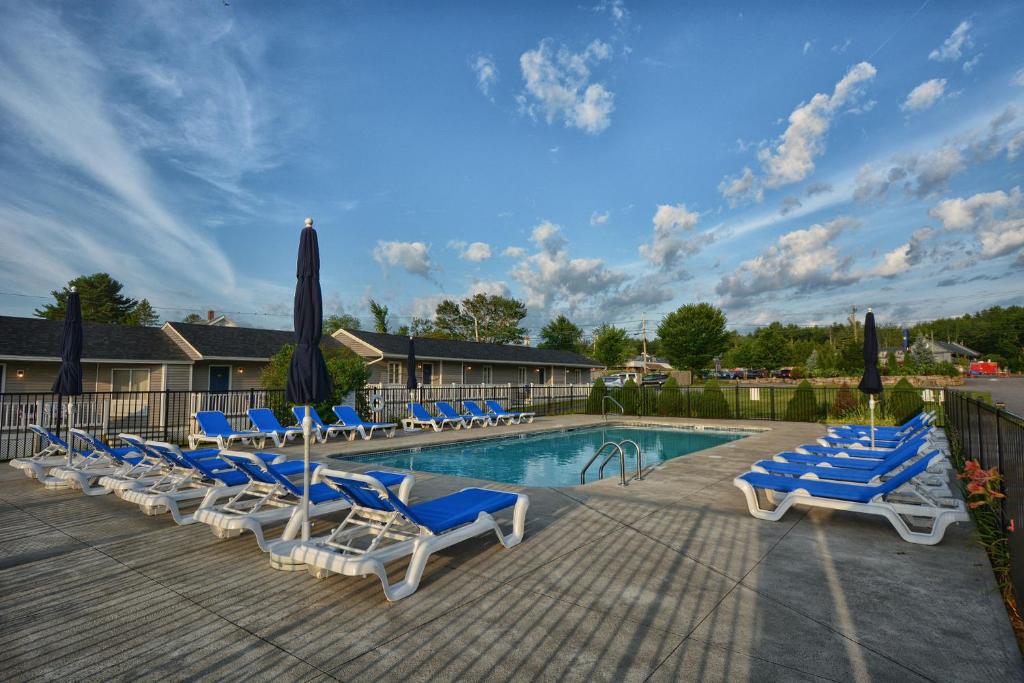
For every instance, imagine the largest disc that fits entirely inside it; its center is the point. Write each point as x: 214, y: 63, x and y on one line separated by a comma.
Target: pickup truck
x: 619, y: 380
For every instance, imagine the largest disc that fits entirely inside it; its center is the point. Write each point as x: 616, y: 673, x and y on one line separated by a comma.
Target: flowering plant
x: 982, y: 485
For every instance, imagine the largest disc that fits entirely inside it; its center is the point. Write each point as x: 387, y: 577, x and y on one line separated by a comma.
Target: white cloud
x: 952, y: 48
x: 803, y: 260
x: 791, y: 158
x: 486, y: 73
x: 670, y: 245
x: 1018, y: 78
x: 616, y: 9
x: 841, y: 48
x: 1015, y: 145
x: 558, y: 86
x: 488, y: 287
x: 476, y: 252
x: 789, y: 204
x: 925, y: 95
x: 413, y: 257
x: 996, y: 218
x: 807, y: 46
x: 969, y: 65
x: 741, y: 188
x: 550, y: 275
x: 514, y: 252
x: 599, y: 218
x: 904, y: 257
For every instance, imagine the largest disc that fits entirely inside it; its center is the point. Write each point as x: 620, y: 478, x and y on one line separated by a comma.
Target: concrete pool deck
x: 665, y: 579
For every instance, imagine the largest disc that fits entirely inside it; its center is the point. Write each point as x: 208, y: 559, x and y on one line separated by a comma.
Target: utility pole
x: 853, y: 321
x: 643, y: 322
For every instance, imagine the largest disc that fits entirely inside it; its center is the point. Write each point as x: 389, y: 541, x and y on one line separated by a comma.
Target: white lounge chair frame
x: 392, y: 537
x: 898, y: 514
x: 36, y: 465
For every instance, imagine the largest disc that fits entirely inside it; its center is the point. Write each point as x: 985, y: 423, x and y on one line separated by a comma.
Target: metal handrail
x: 604, y: 413
x: 606, y: 444
x: 639, y: 458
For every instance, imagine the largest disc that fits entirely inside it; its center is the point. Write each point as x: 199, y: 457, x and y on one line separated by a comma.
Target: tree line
x: 691, y: 337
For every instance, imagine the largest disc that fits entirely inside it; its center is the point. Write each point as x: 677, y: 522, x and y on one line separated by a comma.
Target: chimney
x: 209, y: 316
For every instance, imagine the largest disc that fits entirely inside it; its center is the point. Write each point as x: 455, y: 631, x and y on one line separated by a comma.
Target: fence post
x: 981, y: 438
x: 736, y: 396
x: 771, y: 397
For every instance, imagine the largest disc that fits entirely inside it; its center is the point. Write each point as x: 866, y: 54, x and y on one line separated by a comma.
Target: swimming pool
x: 550, y: 458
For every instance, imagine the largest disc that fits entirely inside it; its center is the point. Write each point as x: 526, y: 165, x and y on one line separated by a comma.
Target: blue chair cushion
x: 460, y: 508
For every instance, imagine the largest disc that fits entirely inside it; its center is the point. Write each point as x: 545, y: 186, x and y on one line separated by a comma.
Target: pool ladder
x: 616, y: 447
x: 604, y: 409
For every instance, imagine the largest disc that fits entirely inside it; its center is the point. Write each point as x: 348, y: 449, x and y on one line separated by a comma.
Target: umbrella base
x: 281, y: 556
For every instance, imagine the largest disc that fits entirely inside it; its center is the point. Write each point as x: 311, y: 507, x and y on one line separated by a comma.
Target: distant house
x: 446, y: 361
x: 942, y: 351
x: 653, y: 364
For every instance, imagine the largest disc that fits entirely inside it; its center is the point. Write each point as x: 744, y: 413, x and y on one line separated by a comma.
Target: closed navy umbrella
x: 871, y: 382
x: 308, y: 381
x: 410, y: 370
x: 69, y: 377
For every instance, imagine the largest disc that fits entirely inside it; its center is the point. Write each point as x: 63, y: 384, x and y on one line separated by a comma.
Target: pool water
x: 550, y: 458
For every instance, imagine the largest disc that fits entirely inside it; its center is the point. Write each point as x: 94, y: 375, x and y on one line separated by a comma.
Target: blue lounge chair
x: 865, y: 441
x: 811, y: 453
x: 381, y: 529
x: 53, y: 452
x: 474, y: 409
x: 270, y: 497
x: 348, y: 416
x: 263, y: 420
x: 914, y: 424
x: 826, y: 470
x: 323, y: 430
x: 518, y: 416
x: 190, y: 476
x: 98, y: 460
x: 869, y: 499
x: 422, y: 418
x: 215, y: 428
x: 447, y: 410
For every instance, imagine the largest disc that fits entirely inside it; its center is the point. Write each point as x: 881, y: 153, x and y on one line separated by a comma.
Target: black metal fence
x: 995, y: 438
x: 168, y: 415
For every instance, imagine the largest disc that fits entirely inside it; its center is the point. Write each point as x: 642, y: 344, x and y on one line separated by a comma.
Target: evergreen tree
x: 597, y: 394
x: 671, y: 402
x: 379, y: 313
x: 803, y: 407
x: 845, y: 401
x: 562, y: 334
x: 629, y: 397
x: 903, y: 401
x: 712, y: 402
x: 102, y: 302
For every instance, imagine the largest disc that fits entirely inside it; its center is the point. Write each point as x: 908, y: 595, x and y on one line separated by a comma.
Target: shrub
x: 648, y: 400
x: 597, y: 393
x: 803, y: 407
x: 629, y: 397
x: 671, y: 402
x: 712, y: 402
x: 347, y: 371
x: 903, y: 401
x: 860, y: 414
x: 845, y: 401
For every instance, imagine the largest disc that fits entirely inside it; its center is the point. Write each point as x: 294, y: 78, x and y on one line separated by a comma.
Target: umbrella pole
x: 307, y: 426
x: 871, y: 405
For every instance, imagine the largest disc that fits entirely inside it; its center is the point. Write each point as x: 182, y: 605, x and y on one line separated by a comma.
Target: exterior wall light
x: 241, y: 371
x: 20, y: 374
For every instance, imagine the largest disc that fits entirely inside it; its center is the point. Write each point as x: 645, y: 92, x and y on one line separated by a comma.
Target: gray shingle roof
x: 214, y: 341
x: 426, y: 347
x: 36, y: 337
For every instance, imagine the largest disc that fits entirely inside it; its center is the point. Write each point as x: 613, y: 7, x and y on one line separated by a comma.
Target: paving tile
x: 696, y: 660
x: 511, y: 635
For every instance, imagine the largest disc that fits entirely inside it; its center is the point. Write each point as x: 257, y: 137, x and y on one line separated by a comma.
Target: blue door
x: 220, y: 378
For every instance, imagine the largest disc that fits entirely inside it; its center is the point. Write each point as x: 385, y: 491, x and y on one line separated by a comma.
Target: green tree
x: 921, y: 356
x: 903, y: 401
x: 379, y: 312
x: 851, y: 356
x: 743, y: 354
x: 597, y: 393
x: 712, y: 402
x: 692, y: 335
x: 493, y: 318
x: 845, y: 401
x: 333, y: 323
x: 803, y: 407
x: 102, y: 302
x: 193, y: 319
x: 561, y: 334
x: 420, y: 327
x: 771, y: 348
x: 142, y: 315
x: 671, y: 402
x: 611, y: 346
x: 347, y: 372
x: 629, y: 397
x: 891, y: 366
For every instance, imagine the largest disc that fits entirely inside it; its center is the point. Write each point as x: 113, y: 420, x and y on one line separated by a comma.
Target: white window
x: 394, y: 373
x: 3, y: 378
x: 522, y: 376
x: 129, y: 379
x: 572, y: 375
x: 486, y: 375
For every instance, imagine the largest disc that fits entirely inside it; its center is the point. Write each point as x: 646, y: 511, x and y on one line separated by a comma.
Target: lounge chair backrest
x: 213, y: 422
x: 473, y: 409
x: 907, y: 473
x: 348, y: 415
x: 264, y: 420
x: 495, y: 407
x: 249, y: 468
x: 96, y: 444
x: 168, y: 454
x: 300, y: 413
x: 447, y: 410
x: 49, y: 436
x: 420, y: 412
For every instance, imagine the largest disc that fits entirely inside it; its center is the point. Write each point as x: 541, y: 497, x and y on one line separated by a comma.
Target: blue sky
x: 600, y: 160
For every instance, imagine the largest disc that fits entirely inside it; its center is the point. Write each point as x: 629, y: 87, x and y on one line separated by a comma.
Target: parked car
x: 719, y: 374
x: 619, y: 380
x: 655, y: 379
x: 757, y: 374
x: 783, y: 373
